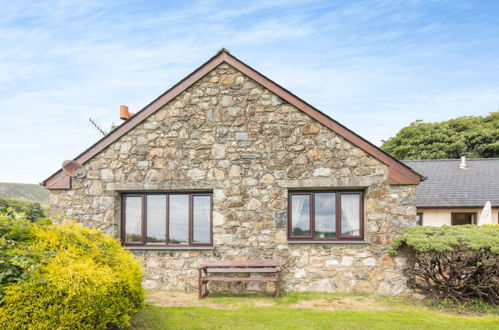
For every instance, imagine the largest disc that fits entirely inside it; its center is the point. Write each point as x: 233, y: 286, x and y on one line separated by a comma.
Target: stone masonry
x: 230, y: 135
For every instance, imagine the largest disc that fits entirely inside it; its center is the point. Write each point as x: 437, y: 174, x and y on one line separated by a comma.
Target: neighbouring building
x: 455, y: 191
x: 229, y: 165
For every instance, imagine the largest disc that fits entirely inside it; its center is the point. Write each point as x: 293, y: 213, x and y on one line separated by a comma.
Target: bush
x: 15, y: 234
x: 32, y: 210
x: 460, y: 263
x: 65, y: 276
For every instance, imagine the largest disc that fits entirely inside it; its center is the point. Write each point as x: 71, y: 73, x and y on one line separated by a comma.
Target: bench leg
x: 200, y: 285
x: 205, y: 289
x: 277, y: 293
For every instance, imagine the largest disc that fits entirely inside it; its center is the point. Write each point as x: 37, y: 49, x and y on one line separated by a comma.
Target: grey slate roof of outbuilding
x: 447, y: 185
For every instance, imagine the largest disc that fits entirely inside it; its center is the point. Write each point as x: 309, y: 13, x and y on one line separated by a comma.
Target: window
x: 463, y: 218
x: 325, y: 215
x: 419, y: 219
x: 169, y: 219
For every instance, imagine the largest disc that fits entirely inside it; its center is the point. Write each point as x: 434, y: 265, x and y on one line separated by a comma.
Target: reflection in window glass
x: 179, y: 219
x: 201, y: 219
x: 325, y: 215
x: 156, y: 218
x: 462, y: 219
x: 350, y: 213
x: 167, y: 218
x: 133, y: 225
x: 300, y: 215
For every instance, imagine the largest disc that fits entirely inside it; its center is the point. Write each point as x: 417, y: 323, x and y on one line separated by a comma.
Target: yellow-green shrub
x: 85, y: 280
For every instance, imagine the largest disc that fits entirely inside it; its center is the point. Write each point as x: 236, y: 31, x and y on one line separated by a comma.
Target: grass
x: 477, y: 306
x: 301, y: 311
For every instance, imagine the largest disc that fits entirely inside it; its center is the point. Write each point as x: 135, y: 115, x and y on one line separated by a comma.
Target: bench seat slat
x: 241, y: 270
x: 238, y: 279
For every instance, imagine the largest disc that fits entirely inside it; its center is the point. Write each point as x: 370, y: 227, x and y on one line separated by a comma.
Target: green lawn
x: 299, y: 311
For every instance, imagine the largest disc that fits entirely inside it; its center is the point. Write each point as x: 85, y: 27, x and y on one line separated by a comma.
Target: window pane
x: 350, y: 215
x: 179, y: 219
x: 201, y: 219
x: 133, y: 214
x: 300, y: 215
x: 462, y: 219
x: 325, y: 215
x: 156, y: 218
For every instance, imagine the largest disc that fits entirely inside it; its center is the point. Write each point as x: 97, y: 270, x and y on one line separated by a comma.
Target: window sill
x: 169, y: 248
x: 327, y: 242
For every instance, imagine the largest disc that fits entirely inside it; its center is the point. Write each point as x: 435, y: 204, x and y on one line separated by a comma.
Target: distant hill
x: 24, y: 191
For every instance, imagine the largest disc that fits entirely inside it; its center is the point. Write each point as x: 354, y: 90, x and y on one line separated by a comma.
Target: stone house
x: 228, y: 165
x: 455, y: 191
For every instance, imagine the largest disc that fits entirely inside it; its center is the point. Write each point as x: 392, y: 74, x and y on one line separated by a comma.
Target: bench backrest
x: 249, y: 263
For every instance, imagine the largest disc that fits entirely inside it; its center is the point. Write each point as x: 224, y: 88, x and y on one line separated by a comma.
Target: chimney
x: 124, y: 113
x: 463, y: 162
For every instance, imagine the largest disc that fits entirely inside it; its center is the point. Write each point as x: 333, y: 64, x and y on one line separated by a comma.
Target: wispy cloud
x: 373, y: 65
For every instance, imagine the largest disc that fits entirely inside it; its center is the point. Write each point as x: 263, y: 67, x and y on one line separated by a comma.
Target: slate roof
x: 447, y: 185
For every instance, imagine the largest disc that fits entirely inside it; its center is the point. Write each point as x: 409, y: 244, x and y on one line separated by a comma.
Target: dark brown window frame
x: 338, y: 194
x: 473, y: 214
x: 167, y: 226
x: 420, y: 218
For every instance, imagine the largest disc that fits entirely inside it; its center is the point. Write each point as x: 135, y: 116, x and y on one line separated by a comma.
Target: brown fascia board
x: 398, y: 172
x: 461, y: 207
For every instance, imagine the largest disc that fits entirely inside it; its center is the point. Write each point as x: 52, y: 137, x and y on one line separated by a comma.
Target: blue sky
x: 375, y: 66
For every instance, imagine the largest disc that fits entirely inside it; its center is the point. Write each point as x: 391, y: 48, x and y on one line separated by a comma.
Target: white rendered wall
x: 439, y: 217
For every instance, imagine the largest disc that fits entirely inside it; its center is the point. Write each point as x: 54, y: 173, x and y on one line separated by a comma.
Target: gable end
x: 398, y: 172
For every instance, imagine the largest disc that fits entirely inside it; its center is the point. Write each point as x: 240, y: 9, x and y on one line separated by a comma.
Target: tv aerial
x: 94, y: 124
x: 74, y: 169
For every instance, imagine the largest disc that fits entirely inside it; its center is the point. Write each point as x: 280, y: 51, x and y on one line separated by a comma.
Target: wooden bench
x: 232, y: 271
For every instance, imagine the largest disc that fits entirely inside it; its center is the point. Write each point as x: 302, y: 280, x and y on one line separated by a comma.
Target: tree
x: 34, y: 211
x: 476, y: 136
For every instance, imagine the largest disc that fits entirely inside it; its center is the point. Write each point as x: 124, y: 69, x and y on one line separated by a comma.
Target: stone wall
x: 229, y: 135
